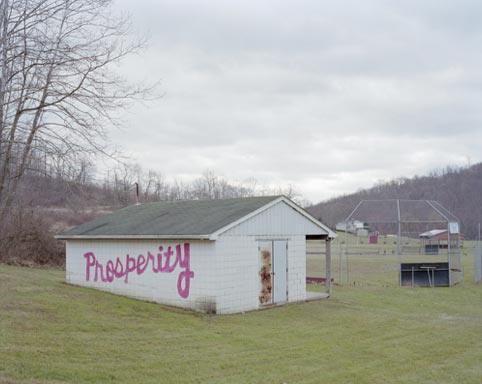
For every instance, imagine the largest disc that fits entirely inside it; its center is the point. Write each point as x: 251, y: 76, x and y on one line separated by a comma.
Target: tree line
x: 55, y: 195
x: 62, y: 185
x: 458, y: 189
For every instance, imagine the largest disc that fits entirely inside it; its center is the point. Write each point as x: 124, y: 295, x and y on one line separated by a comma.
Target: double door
x: 273, y: 271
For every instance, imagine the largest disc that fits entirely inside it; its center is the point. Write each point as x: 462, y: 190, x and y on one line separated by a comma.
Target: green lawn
x: 54, y: 333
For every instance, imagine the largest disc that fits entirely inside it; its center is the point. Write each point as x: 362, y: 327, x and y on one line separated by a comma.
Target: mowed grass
x: 51, y: 332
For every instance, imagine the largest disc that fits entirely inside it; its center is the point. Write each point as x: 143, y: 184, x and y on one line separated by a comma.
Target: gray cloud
x: 327, y: 96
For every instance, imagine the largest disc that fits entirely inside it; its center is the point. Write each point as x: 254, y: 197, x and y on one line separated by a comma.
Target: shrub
x: 26, y: 239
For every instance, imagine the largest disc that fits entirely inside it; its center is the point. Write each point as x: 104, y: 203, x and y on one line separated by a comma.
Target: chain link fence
x: 380, y: 237
x: 478, y: 263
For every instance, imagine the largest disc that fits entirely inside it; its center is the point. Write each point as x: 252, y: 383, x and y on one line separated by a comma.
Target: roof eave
x: 331, y: 234
x: 132, y: 237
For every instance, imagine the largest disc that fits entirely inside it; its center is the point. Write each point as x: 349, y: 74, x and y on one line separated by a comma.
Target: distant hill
x: 457, y: 189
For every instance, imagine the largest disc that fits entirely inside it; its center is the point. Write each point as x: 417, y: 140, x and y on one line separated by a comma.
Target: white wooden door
x: 280, y: 271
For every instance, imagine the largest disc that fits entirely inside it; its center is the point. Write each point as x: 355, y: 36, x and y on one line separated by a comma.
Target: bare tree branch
x: 58, y: 89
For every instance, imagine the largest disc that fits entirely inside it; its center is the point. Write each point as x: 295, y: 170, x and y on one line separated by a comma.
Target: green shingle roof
x: 170, y: 218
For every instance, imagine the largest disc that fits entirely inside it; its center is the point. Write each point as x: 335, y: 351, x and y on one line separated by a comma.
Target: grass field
x: 54, y: 333
x: 379, y: 264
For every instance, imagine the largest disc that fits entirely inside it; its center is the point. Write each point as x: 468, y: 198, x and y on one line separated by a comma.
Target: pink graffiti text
x: 162, y: 262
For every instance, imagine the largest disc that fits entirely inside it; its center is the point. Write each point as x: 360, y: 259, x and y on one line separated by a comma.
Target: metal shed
x: 221, y: 256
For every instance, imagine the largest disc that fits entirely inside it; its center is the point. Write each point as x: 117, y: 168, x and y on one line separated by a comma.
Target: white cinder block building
x: 221, y: 256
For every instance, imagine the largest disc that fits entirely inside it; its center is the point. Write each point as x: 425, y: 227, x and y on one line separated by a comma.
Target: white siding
x: 279, y: 219
x: 150, y: 286
x: 239, y: 281
x: 238, y: 278
x: 297, y: 268
x: 226, y: 271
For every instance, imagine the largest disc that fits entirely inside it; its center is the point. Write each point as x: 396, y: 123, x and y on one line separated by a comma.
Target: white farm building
x: 222, y: 256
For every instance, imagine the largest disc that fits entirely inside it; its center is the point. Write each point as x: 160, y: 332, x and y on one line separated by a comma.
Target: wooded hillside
x: 457, y: 189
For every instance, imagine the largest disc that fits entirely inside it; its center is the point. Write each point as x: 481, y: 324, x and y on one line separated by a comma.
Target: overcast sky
x: 329, y: 96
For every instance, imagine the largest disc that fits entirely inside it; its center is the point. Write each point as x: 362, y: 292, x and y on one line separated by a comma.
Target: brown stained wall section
x: 265, y: 273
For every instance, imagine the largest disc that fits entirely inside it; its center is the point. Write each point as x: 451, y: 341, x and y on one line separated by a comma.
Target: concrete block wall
x: 240, y: 263
x: 239, y: 282
x: 226, y: 271
x: 161, y: 287
x: 297, y: 268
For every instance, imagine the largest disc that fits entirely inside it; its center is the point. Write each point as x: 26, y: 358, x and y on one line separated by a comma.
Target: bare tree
x: 124, y: 179
x: 57, y: 86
